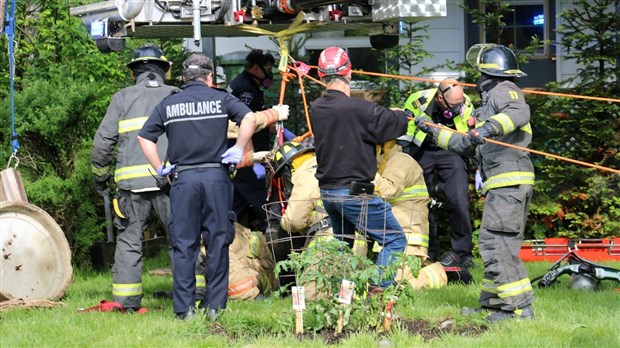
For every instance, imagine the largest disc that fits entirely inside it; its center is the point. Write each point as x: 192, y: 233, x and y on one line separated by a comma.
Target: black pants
x: 201, y: 201
x: 453, y: 173
x: 250, y: 192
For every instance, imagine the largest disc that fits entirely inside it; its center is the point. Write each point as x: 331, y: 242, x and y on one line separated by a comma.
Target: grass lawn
x: 564, y: 318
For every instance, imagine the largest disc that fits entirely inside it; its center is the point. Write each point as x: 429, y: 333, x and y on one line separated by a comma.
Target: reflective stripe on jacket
x: 116, y: 135
x: 502, y: 166
x: 418, y: 103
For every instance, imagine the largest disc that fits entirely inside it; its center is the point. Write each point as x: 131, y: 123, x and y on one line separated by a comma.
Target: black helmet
x: 149, y: 53
x: 582, y: 281
x: 494, y: 60
x: 285, y: 154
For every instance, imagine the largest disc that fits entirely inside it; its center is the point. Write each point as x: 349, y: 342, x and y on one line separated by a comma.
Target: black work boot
x: 189, y: 315
x: 212, y: 314
x: 471, y: 311
x: 525, y: 313
x: 455, y: 271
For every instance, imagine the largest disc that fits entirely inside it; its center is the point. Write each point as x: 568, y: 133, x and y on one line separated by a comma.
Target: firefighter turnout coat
x: 400, y: 181
x: 508, y: 176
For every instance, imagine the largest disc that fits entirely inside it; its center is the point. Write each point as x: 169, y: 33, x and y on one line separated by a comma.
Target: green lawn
x: 564, y: 318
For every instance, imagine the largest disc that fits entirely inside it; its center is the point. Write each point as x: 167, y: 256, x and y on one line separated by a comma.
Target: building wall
x: 565, y: 68
x: 449, y: 38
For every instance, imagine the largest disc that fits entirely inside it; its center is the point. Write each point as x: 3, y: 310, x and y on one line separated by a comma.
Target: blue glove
x: 259, y: 170
x: 478, y: 183
x: 420, y: 123
x: 232, y: 155
x: 166, y: 170
x: 288, y: 135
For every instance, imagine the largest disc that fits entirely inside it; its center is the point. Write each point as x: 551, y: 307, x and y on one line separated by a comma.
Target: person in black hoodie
x: 346, y: 132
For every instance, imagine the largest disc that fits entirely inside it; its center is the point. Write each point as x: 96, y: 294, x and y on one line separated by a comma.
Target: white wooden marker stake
x: 344, y: 297
x: 299, y: 304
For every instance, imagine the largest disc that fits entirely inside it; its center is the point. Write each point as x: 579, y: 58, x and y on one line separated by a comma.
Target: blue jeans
x: 370, y: 214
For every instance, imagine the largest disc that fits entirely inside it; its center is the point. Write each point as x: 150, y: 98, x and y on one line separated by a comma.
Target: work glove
x: 259, y: 156
x: 259, y: 170
x: 421, y: 121
x: 233, y: 155
x: 166, y: 170
x: 478, y: 183
x: 288, y: 135
x: 476, y: 136
x: 282, y: 111
x: 102, y: 184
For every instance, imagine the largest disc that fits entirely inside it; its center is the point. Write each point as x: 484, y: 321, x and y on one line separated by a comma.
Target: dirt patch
x: 328, y: 336
x: 430, y: 331
x: 215, y: 328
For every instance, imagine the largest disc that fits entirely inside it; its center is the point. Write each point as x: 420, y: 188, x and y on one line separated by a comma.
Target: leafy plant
x: 325, y: 264
x: 576, y: 201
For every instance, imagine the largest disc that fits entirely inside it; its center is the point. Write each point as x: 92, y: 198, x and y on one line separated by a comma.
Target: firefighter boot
x: 525, y: 313
x: 471, y: 311
x: 455, y: 271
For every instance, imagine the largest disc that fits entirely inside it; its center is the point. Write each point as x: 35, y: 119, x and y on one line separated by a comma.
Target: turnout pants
x: 369, y: 214
x: 452, y: 171
x: 127, y: 269
x: 505, y: 283
x: 201, y: 201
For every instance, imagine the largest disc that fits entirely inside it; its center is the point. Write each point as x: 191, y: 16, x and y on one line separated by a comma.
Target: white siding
x: 565, y: 68
x: 446, y: 40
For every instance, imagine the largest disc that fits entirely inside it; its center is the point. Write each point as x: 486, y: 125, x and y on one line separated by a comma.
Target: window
x: 524, y: 20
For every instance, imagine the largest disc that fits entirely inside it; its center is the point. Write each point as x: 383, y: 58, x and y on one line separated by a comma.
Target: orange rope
x: 525, y: 90
x: 300, y: 138
x: 283, y: 86
x: 546, y: 154
x: 303, y: 97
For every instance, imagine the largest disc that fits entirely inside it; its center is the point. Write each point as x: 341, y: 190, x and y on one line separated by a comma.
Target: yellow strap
x: 282, y: 36
x: 117, y: 209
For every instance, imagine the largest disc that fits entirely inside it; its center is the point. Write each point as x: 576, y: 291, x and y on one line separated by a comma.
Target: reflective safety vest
x: 418, y: 102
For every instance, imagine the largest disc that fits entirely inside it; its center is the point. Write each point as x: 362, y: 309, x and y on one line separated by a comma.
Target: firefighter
x: 508, y: 176
x: 400, y: 182
x: 305, y: 220
x: 449, y: 106
x: 346, y: 131
x: 196, y: 121
x: 138, y: 193
x: 251, y: 266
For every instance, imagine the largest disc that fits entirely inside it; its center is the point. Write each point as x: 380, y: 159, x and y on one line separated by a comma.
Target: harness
x: 576, y: 265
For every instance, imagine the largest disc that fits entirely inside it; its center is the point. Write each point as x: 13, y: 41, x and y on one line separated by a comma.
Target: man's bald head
x: 451, y: 91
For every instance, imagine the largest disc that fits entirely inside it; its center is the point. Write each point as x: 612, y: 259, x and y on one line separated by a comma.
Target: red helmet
x: 334, y: 61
